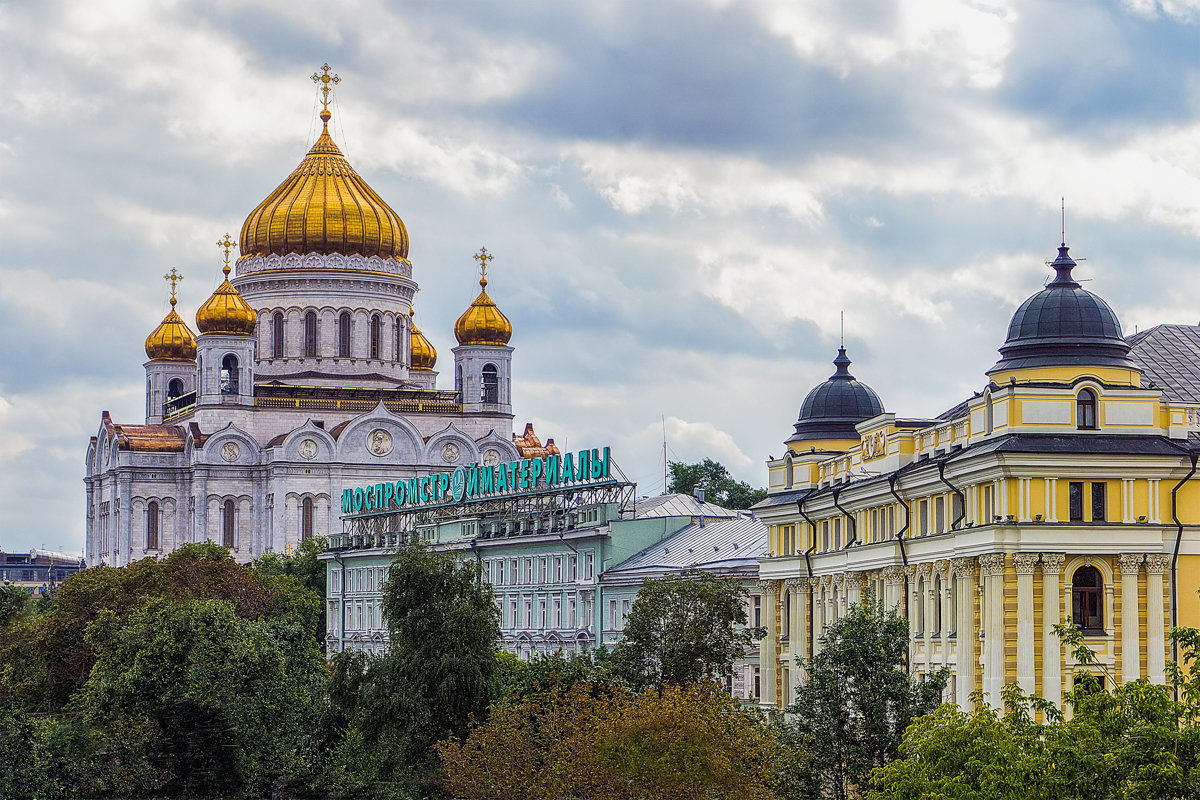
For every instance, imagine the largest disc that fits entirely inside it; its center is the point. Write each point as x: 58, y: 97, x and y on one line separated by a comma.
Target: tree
x: 305, y: 568
x: 14, y: 601
x: 601, y: 742
x: 1136, y: 741
x: 684, y: 629
x: 552, y: 671
x: 438, y: 674
x: 718, y: 485
x: 46, y: 657
x: 858, y: 701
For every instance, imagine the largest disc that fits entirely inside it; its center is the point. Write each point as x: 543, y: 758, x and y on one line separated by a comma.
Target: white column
x: 1156, y: 621
x: 1153, y: 501
x: 1052, y: 499
x: 1131, y: 656
x: 854, y: 582
x: 992, y: 567
x: 767, y: 657
x: 964, y: 569
x: 893, y: 582
x: 1024, y: 498
x: 1052, y: 564
x: 1001, y: 491
x: 1025, y: 564
x: 1126, y: 500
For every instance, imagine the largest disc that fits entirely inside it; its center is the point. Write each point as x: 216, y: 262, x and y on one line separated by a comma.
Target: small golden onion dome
x: 424, y: 356
x: 226, y: 311
x: 483, y: 323
x: 324, y: 207
x: 172, y: 340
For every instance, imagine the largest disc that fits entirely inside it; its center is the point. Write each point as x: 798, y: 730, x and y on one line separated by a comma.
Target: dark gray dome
x: 1063, y: 324
x: 833, y: 408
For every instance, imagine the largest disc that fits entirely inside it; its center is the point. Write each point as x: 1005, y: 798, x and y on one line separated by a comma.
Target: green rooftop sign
x: 481, y: 482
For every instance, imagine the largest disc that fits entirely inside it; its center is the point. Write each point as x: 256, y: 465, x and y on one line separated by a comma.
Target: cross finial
x: 226, y: 244
x: 483, y: 257
x: 173, y: 277
x: 327, y: 82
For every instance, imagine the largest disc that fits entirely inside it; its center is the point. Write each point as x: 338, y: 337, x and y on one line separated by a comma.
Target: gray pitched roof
x: 1169, y: 356
x: 725, y: 544
x: 679, y: 505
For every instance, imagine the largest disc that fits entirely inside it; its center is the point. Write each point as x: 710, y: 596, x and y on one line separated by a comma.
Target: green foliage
x: 14, y: 602
x: 296, y: 574
x: 854, y: 709
x: 683, y: 629
x: 718, y: 485
x: 517, y: 678
x: 1134, y: 743
x: 226, y: 706
x: 46, y: 657
x: 439, y: 673
x: 599, y: 741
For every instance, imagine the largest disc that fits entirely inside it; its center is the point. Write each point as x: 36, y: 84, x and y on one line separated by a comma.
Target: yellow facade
x: 1058, y: 492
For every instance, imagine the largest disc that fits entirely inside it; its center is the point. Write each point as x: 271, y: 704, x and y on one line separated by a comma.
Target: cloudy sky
x: 681, y: 196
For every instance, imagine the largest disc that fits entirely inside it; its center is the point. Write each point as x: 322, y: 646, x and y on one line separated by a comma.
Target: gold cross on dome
x: 226, y: 244
x: 327, y: 82
x: 173, y: 277
x: 483, y: 257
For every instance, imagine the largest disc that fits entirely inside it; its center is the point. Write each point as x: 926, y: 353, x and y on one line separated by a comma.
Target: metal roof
x: 678, y: 505
x: 725, y: 544
x: 1169, y: 356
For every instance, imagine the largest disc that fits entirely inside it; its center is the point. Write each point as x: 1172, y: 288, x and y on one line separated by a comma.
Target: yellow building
x: 1065, y: 489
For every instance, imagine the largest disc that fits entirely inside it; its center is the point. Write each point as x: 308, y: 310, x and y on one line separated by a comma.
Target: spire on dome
x: 327, y: 82
x: 226, y: 311
x: 483, y: 323
x: 172, y: 340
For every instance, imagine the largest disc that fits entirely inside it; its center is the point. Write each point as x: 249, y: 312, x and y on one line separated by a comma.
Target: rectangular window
x: 558, y: 570
x: 571, y: 613
x: 986, y: 504
x: 512, y: 613
x: 939, y: 514
x: 891, y: 529
x: 756, y: 611
x: 529, y: 613
x: 825, y: 535
x: 1098, y: 502
x: 556, y: 614
x: 542, y: 613
x: 612, y: 614
x: 837, y: 534
x: 1075, y: 495
x: 588, y: 565
x: 757, y: 690
x: 923, y: 518
x: 624, y: 612
x: 572, y: 569
x: 956, y: 508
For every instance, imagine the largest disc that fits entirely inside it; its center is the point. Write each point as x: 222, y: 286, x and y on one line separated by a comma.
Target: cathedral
x: 306, y: 374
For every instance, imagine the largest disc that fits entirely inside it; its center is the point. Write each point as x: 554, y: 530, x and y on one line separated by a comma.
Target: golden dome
x: 483, y: 323
x: 172, y: 340
x: 324, y: 207
x: 226, y: 311
x: 424, y: 356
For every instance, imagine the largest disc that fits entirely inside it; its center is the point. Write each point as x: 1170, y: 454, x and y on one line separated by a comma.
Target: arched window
x: 920, y: 606
x: 834, y: 616
x: 174, y: 388
x: 937, y: 604
x: 399, y: 352
x: 152, y: 525
x: 149, y: 399
x: 989, y: 419
x: 1087, y: 599
x: 787, y: 613
x: 458, y: 379
x: 228, y: 521
x: 490, y: 391
x: 1085, y: 410
x: 376, y: 335
x: 306, y: 519
x: 229, y: 374
x: 344, y: 334
x: 310, y: 334
x: 277, y: 335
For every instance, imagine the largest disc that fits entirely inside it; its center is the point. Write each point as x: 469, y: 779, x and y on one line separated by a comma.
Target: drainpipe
x: 1175, y: 553
x: 893, y: 480
x: 808, y: 563
x: 962, y: 498
x: 852, y: 529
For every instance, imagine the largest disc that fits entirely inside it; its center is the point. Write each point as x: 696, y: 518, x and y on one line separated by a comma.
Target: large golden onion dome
x: 226, y: 311
x: 324, y: 207
x: 172, y: 340
x: 424, y: 356
x: 483, y: 323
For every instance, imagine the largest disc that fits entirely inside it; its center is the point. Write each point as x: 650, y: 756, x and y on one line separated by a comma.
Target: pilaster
x: 1052, y: 564
x: 1131, y: 655
x: 992, y: 567
x: 1156, y: 622
x: 967, y: 660
x: 768, y: 658
x: 1025, y: 564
